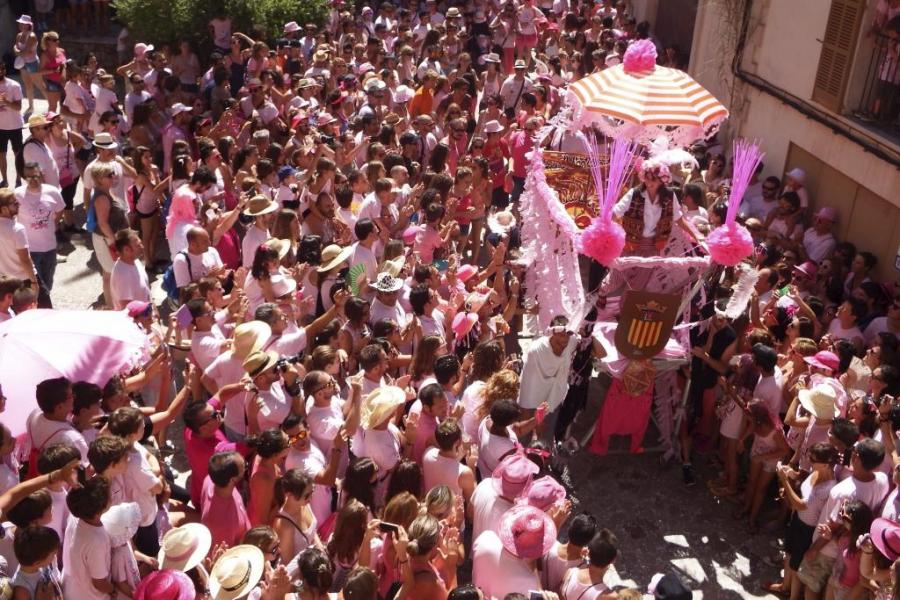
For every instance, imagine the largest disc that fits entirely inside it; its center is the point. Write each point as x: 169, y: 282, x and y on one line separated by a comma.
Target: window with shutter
x: 838, y: 45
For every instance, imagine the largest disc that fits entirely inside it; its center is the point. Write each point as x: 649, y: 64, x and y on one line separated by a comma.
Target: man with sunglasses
x: 323, y: 466
x: 35, y: 149
x: 202, y: 436
x: 40, y: 206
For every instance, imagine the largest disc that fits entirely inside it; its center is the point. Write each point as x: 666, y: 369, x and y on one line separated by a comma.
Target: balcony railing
x: 879, y: 105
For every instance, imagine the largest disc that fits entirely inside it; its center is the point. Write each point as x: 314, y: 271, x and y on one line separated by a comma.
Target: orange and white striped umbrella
x: 660, y: 97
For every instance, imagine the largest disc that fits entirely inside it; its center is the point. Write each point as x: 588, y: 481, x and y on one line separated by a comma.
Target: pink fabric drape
x: 622, y: 414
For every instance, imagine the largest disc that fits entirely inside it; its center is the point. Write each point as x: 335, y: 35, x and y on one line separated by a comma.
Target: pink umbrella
x: 82, y: 345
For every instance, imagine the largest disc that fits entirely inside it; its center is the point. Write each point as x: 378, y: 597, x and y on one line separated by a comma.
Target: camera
x: 282, y: 363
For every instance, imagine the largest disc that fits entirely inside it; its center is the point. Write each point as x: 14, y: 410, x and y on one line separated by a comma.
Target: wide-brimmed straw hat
x: 332, y: 256
x: 185, y: 547
x: 249, y: 337
x: 380, y: 405
x: 237, y: 571
x: 260, y: 205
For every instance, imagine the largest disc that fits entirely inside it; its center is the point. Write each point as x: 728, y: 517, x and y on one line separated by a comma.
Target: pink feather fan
x: 604, y: 239
x: 731, y: 243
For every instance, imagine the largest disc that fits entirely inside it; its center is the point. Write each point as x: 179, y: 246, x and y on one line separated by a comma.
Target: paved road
x: 660, y: 523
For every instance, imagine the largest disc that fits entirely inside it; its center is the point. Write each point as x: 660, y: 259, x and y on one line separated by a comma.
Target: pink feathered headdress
x: 731, y: 243
x: 604, y: 239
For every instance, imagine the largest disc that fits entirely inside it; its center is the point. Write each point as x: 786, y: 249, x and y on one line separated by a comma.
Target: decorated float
x: 634, y: 118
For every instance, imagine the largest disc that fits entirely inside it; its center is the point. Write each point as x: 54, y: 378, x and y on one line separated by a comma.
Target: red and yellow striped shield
x: 645, y: 323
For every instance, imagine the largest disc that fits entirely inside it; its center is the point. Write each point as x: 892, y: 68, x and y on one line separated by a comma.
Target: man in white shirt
x: 200, y: 260
x: 386, y: 305
x: 888, y: 324
x: 128, y: 280
x: 276, y: 398
x: 49, y: 424
x: 768, y: 388
x: 137, y: 95
x: 40, y: 206
x: 207, y: 341
x: 818, y: 241
x: 515, y: 85
x: 15, y: 260
x: 11, y: 121
x: 262, y: 209
x: 35, y: 149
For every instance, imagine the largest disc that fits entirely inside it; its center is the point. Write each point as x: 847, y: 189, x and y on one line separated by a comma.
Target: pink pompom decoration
x: 640, y: 56
x: 729, y: 244
x: 603, y: 241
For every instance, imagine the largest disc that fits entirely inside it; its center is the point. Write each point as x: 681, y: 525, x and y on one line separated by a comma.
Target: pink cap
x: 465, y: 272
x: 808, y: 268
x: 827, y: 213
x: 545, y: 492
x: 138, y: 308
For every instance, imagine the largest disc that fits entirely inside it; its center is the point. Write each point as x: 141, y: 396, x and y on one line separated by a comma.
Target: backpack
x: 32, y: 471
x: 168, y: 279
x: 20, y: 156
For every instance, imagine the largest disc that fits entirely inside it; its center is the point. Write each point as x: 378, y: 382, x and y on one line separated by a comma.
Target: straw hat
x: 527, y: 532
x: 282, y: 247
x: 260, y: 205
x: 380, y: 405
x: 237, y: 571
x: 821, y: 401
x: 259, y: 361
x: 185, y: 547
x: 104, y: 140
x: 332, y: 256
x: 37, y: 120
x: 291, y: 27
x: 492, y: 57
x: 249, y: 337
x: 121, y: 522
x: 25, y: 20
x: 394, y: 266
x: 165, y: 585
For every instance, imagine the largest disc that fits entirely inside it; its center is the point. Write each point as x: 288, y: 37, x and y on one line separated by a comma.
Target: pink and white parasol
x: 82, y: 345
x: 640, y: 101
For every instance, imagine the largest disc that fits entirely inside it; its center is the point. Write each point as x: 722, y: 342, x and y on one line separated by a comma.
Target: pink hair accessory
x: 640, y: 57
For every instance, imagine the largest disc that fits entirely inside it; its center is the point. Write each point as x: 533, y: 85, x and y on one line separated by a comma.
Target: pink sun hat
x: 463, y: 323
x: 465, y: 272
x: 886, y: 537
x: 824, y: 360
x: 167, y: 584
x: 513, y: 475
x: 527, y: 532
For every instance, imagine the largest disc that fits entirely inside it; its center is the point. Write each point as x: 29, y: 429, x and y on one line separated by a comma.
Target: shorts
x: 464, y: 228
x: 68, y: 194
x: 526, y: 41
x: 53, y: 86
x: 797, y: 540
x: 11, y: 136
x: 815, y: 573
x: 101, y: 249
x: 149, y: 215
x: 32, y: 67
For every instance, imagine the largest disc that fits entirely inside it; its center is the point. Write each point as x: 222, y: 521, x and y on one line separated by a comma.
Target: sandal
x: 775, y: 588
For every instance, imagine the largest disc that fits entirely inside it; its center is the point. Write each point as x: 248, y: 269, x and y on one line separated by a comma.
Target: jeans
x: 45, y: 265
x: 518, y: 188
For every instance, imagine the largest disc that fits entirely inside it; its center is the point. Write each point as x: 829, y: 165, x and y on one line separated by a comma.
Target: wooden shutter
x: 841, y: 33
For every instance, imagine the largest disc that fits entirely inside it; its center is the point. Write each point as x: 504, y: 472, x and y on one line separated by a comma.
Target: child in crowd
x: 36, y: 548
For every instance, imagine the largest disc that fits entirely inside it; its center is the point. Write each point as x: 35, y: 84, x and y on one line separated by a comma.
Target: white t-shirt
x: 497, y: 572
x: 39, y: 153
x: 815, y: 498
x: 201, y: 265
x: 878, y: 325
x: 381, y: 445
x: 367, y: 257
x: 87, y: 553
x: 818, y: 246
x: 36, y: 212
x: 545, y: 376
x: 138, y: 480
x: 312, y: 462
x: 488, y: 507
x: 275, y: 409
x: 10, y: 118
x: 870, y: 493
x: 840, y: 333
x: 492, y: 448
x: 768, y: 389
x: 129, y: 282
x: 472, y: 398
x: 252, y: 240
x: 206, y: 346
x: 12, y: 239
x: 43, y: 432
x: 324, y: 422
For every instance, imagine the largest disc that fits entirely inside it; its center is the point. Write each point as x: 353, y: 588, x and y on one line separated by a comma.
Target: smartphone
x: 386, y: 527
x: 535, y: 595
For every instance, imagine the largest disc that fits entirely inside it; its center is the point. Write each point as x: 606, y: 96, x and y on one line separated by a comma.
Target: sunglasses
x: 300, y: 435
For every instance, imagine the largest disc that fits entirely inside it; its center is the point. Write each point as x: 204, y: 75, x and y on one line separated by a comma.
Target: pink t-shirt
x: 199, y: 450
x: 226, y: 518
x: 427, y: 241
x: 522, y: 144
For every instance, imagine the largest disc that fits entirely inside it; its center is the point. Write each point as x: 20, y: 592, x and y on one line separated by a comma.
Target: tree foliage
x: 167, y: 21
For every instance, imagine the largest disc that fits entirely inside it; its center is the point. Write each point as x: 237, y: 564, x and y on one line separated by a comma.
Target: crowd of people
x: 335, y: 223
